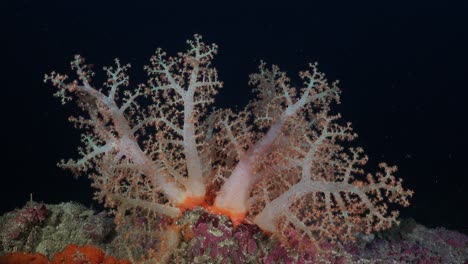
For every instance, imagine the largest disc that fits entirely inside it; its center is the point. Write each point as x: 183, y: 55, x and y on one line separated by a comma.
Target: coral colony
x: 160, y: 150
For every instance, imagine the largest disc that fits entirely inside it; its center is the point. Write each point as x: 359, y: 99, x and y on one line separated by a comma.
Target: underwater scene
x: 209, y: 133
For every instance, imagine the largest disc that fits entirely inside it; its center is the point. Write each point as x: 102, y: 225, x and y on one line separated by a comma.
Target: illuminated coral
x: 282, y: 163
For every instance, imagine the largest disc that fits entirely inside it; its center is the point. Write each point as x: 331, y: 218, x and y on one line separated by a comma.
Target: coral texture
x: 48, y: 229
x: 282, y: 163
x: 72, y: 254
x: 201, y: 237
x: 20, y: 229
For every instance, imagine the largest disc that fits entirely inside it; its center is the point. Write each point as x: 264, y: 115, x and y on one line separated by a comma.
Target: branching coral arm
x: 376, y: 218
x: 100, y: 106
x: 185, y: 85
x: 234, y: 194
x: 334, y: 207
x: 268, y: 218
x: 151, y: 206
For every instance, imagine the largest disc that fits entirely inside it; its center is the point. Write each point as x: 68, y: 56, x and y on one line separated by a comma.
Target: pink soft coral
x: 159, y: 149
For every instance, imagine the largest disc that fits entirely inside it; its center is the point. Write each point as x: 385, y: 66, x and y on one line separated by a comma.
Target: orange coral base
x: 236, y: 218
x: 192, y: 202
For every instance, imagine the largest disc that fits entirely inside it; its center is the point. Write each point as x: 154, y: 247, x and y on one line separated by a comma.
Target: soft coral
x: 280, y: 161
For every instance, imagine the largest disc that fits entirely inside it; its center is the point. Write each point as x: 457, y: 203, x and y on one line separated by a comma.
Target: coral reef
x: 20, y: 229
x: 48, y: 229
x: 72, y: 254
x: 201, y: 237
